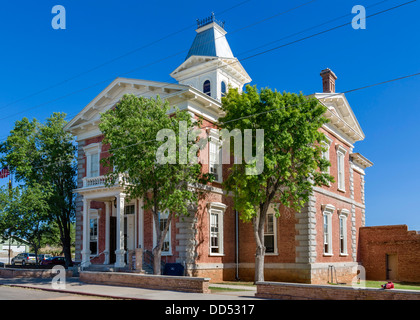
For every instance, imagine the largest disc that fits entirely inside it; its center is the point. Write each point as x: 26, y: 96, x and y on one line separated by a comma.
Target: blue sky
x: 34, y: 57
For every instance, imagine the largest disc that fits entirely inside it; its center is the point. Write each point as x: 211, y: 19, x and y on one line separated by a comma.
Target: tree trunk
x: 66, y: 244
x: 258, y: 225
x: 259, y: 263
x: 157, y: 254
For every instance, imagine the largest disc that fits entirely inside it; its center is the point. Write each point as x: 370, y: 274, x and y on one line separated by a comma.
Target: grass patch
x: 226, y: 289
x: 238, y: 283
x: 397, y: 285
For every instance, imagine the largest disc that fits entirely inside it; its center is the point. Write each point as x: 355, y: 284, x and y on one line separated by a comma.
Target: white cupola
x: 210, y: 65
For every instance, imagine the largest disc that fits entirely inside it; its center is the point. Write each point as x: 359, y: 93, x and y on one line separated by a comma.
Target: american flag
x: 4, y: 172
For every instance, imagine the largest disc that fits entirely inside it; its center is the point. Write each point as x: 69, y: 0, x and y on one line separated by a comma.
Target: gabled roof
x: 89, y: 117
x: 108, y: 97
x: 341, y: 114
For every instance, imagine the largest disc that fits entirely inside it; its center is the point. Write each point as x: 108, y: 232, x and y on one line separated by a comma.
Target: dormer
x: 210, y: 65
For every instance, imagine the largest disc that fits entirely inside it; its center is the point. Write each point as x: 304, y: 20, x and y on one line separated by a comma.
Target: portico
x: 112, y: 226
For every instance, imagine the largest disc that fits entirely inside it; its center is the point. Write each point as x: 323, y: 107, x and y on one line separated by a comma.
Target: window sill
x: 216, y: 254
x: 271, y: 254
x: 327, y: 254
x: 344, y: 254
x: 341, y: 190
x: 165, y: 254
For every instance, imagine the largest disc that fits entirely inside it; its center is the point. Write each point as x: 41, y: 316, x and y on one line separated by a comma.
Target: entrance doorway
x: 392, y: 266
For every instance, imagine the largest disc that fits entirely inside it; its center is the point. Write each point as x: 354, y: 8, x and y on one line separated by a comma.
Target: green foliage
x: 131, y: 130
x: 25, y: 213
x: 293, y: 162
x: 42, y: 158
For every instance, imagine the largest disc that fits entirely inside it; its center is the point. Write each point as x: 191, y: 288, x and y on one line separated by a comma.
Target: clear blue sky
x: 34, y: 56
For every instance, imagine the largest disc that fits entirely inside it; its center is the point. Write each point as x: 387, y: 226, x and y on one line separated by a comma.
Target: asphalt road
x: 13, y: 293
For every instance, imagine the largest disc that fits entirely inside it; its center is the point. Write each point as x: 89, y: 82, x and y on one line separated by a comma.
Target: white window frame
x: 342, y: 232
x: 214, y: 140
x: 94, y: 215
x: 327, y: 213
x: 326, y: 154
x: 272, y: 212
x: 90, y: 150
x: 168, y: 236
x: 341, y: 172
x: 217, y: 208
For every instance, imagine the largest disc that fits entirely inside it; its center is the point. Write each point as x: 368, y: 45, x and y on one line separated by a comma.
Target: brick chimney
x: 328, y: 81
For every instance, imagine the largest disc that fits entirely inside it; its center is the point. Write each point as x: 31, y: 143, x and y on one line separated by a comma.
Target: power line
x: 114, y: 59
x: 260, y: 113
x: 149, y: 64
x: 254, y: 55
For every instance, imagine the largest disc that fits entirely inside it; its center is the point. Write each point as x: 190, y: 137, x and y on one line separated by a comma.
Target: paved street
x: 15, y: 293
x: 74, y: 286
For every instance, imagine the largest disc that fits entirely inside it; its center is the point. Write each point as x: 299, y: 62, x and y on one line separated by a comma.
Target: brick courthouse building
x: 300, y: 245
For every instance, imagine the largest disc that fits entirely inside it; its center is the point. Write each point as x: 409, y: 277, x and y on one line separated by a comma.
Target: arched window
x: 206, y: 87
x: 223, y: 88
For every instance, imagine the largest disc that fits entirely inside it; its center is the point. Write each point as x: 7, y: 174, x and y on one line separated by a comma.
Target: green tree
x: 44, y: 155
x: 132, y: 129
x: 26, y: 213
x: 293, y: 162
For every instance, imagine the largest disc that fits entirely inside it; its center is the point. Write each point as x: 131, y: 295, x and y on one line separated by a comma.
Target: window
x: 340, y: 168
x: 94, y: 165
x: 92, y: 152
x: 216, y: 211
x: 214, y: 232
x: 223, y: 88
x: 327, y: 232
x: 326, y: 154
x: 269, y: 234
x: 343, y: 231
x: 207, y: 87
x: 166, y: 245
x: 93, y: 238
x: 215, y: 157
x: 130, y: 209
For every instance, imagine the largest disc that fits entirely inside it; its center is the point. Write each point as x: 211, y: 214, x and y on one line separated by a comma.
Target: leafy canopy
x: 293, y: 161
x: 131, y: 130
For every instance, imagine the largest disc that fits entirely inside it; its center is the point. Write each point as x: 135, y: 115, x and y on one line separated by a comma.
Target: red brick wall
x: 285, y: 240
x: 289, y: 291
x: 333, y: 187
x: 376, y: 242
x: 336, y: 257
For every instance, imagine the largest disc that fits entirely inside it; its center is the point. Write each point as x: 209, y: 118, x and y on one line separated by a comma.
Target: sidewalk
x: 73, y: 285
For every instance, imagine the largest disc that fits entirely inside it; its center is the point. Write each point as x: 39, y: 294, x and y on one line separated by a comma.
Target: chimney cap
x: 329, y: 72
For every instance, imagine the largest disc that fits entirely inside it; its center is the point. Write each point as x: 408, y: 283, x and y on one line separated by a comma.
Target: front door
x: 392, y: 266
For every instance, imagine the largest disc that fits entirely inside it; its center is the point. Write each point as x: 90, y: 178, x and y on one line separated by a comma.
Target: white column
x: 86, y: 234
x: 119, y: 252
x: 107, y: 217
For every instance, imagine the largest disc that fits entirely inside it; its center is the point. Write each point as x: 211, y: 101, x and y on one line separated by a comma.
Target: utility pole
x: 10, y: 195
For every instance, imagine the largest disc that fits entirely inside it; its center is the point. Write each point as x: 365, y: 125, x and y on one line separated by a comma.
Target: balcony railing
x: 98, y: 181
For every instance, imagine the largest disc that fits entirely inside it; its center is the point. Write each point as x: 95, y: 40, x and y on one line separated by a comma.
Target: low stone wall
x: 30, y: 273
x: 292, y: 291
x: 147, y: 281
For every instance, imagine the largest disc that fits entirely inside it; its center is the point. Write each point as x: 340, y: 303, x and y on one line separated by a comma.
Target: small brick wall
x: 292, y: 291
x: 30, y: 273
x: 185, y: 284
x: 376, y: 243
